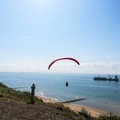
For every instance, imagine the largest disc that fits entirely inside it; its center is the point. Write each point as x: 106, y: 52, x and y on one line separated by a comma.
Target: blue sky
x: 35, y: 32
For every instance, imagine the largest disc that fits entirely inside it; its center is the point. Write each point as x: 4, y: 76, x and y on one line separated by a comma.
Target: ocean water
x: 103, y: 95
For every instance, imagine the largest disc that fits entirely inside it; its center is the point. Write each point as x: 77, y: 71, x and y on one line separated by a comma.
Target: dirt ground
x: 22, y: 111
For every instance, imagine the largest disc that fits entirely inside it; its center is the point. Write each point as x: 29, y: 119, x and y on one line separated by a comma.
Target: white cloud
x: 22, y: 67
x: 99, y: 67
x: 115, y: 65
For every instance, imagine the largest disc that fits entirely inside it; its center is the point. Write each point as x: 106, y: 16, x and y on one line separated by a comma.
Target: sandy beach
x: 94, y: 112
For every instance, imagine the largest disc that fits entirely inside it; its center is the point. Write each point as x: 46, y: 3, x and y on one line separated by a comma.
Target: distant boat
x: 106, y: 79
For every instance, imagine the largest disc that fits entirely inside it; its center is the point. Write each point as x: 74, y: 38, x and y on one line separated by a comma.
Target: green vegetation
x: 87, y: 116
x: 16, y: 98
x: 11, y: 94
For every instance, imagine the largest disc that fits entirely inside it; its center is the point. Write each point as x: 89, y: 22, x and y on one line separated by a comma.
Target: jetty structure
x: 115, y: 78
x: 74, y: 100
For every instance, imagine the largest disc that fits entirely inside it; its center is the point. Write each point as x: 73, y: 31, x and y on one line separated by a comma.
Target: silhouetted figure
x: 32, y: 93
x: 66, y: 84
x: 116, y: 77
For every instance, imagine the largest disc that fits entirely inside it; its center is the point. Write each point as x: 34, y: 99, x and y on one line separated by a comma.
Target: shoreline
x: 76, y: 108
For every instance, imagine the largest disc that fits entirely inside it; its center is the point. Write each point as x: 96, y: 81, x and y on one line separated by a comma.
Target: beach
x: 77, y: 108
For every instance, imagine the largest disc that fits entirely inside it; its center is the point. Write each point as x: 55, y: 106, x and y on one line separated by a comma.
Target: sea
x: 102, y: 95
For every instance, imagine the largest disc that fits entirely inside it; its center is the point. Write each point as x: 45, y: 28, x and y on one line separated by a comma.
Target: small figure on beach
x: 32, y: 93
x: 66, y: 84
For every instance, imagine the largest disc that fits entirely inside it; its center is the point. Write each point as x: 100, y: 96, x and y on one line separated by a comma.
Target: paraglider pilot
x: 66, y: 84
x: 32, y: 93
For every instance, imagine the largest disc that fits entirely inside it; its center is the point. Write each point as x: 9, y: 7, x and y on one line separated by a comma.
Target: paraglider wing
x: 66, y: 58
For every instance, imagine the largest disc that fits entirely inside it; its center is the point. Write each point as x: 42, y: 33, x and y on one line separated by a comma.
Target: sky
x: 35, y: 32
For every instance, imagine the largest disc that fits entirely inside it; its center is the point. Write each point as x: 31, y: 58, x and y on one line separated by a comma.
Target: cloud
x: 114, y: 65
x: 22, y: 67
x: 98, y: 67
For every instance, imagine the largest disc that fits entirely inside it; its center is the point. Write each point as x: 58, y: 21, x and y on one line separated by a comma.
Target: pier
x: 75, y: 100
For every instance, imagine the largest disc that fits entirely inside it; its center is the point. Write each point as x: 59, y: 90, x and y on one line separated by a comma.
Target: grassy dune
x: 16, y: 105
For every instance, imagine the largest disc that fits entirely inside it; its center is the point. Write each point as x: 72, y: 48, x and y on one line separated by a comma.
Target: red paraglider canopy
x: 66, y: 58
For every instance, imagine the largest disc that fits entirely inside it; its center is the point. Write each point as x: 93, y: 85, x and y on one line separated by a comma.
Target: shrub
x: 108, y: 117
x: 85, y: 113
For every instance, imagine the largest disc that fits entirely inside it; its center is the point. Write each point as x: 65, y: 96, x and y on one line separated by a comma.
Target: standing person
x: 32, y: 93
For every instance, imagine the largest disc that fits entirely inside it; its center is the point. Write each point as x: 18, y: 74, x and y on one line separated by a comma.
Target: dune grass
x: 9, y: 94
